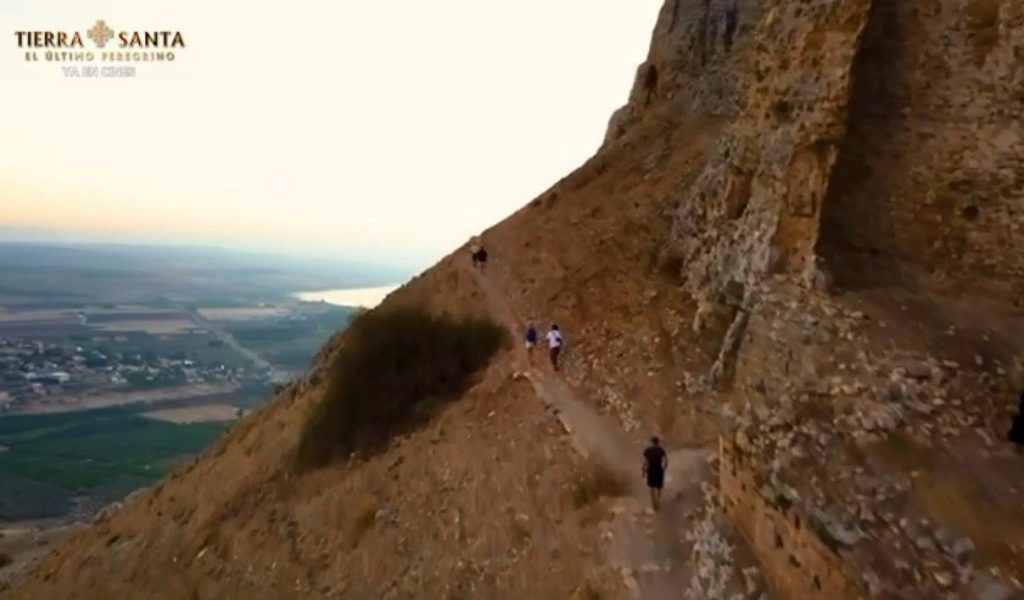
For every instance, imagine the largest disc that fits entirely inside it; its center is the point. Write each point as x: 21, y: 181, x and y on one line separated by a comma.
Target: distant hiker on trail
x: 655, y: 464
x: 1016, y: 434
x: 478, y: 253
x: 554, y: 338
x: 531, y: 341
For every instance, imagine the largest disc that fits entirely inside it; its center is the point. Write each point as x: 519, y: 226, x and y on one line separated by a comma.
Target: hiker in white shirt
x: 554, y: 338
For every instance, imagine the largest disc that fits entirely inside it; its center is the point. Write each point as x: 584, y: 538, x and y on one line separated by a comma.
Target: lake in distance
x: 359, y: 297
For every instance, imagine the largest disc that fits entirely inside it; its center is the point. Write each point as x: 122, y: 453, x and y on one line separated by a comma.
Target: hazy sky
x: 390, y: 130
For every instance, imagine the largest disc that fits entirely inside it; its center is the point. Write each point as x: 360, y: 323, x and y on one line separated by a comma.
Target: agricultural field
x: 291, y: 342
x: 62, y: 464
x: 243, y: 313
x: 157, y: 395
x: 205, y: 413
x: 85, y: 319
x: 156, y: 327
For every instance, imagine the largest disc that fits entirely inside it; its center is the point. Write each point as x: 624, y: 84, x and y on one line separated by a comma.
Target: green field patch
x: 20, y: 423
x: 24, y: 498
x: 21, y: 437
x: 102, y: 454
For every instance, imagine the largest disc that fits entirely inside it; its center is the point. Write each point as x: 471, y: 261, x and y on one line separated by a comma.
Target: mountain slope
x: 798, y: 252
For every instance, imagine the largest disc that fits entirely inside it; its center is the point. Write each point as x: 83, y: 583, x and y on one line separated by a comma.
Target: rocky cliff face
x: 799, y: 249
x: 866, y: 191
x: 870, y: 144
x: 927, y: 187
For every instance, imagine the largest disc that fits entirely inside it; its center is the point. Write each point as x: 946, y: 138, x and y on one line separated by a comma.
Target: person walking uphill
x: 478, y: 253
x: 655, y: 465
x: 554, y: 338
x: 531, y: 341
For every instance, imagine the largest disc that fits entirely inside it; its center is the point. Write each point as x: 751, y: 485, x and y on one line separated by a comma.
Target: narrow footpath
x: 645, y: 545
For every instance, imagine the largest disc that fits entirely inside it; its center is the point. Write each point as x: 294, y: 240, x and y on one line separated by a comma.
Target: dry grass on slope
x: 392, y: 368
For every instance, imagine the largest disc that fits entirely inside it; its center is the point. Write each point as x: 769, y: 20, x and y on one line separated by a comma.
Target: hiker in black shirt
x: 655, y: 464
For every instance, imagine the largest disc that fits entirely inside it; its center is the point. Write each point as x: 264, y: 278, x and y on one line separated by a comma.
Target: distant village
x: 31, y: 370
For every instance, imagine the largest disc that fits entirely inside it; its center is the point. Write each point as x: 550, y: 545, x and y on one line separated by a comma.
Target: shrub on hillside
x: 392, y: 368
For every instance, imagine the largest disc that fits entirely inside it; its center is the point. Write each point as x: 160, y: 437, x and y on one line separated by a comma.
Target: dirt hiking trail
x: 645, y: 545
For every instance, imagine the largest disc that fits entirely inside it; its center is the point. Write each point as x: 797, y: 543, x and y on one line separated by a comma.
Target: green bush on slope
x: 393, y: 366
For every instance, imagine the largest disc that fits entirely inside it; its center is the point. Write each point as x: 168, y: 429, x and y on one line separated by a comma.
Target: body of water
x: 361, y: 297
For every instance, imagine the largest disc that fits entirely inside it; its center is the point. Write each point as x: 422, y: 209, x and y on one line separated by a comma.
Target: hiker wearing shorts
x: 531, y: 341
x: 655, y: 465
x: 554, y: 338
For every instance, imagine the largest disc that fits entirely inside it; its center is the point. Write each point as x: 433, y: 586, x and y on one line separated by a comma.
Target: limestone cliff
x: 799, y: 253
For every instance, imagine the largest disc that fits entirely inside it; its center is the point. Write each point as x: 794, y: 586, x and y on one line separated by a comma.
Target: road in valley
x: 276, y: 375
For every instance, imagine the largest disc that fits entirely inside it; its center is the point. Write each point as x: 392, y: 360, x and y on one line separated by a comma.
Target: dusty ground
x: 242, y: 314
x: 25, y: 543
x: 452, y: 509
x: 55, y: 404
x: 154, y: 327
x: 196, y: 414
x: 11, y: 316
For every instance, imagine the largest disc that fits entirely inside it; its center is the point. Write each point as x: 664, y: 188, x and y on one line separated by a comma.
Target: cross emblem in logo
x: 100, y: 33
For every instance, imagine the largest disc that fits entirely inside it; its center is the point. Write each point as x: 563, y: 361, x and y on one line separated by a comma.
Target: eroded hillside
x: 798, y: 257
